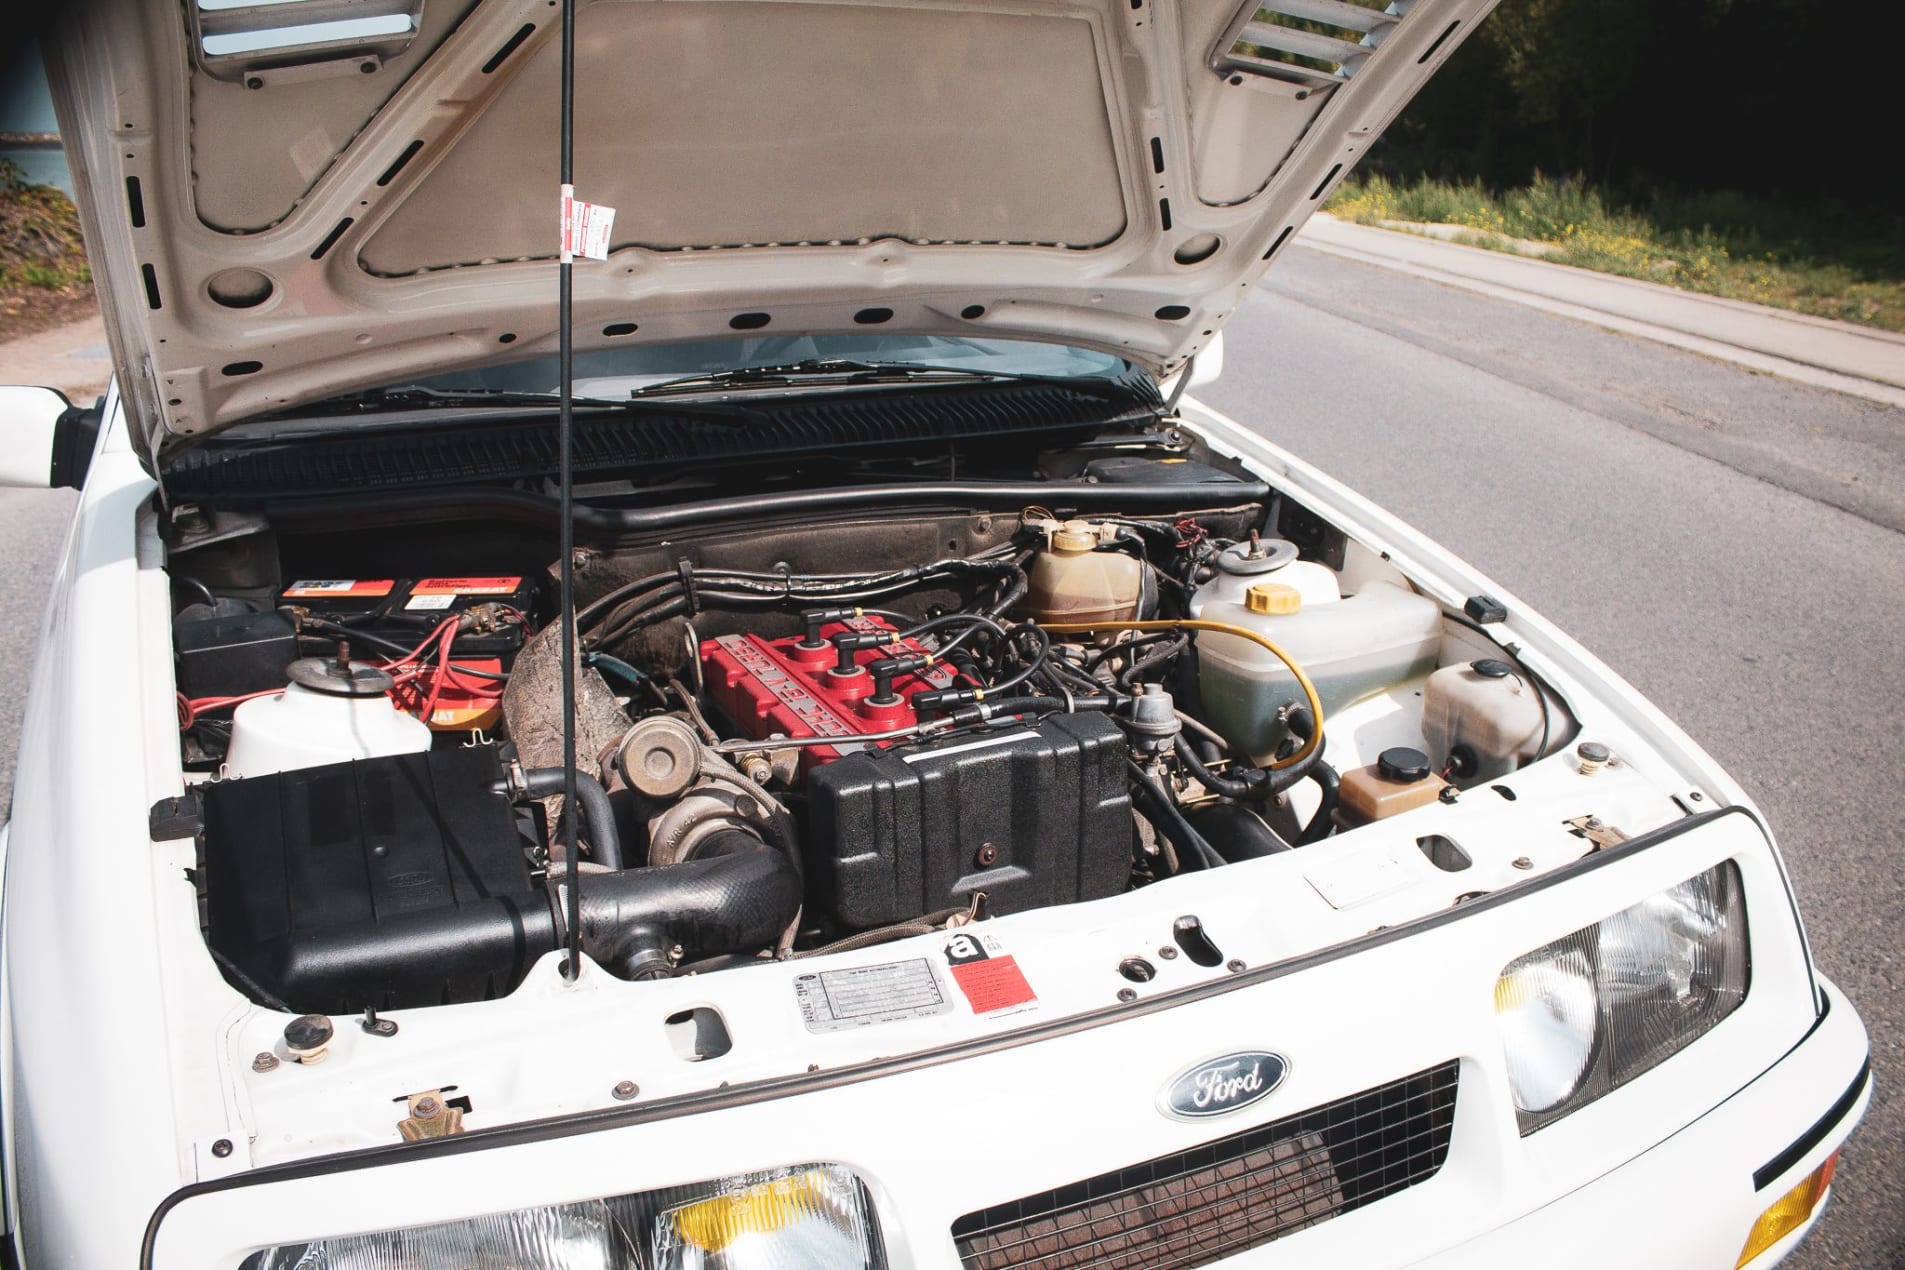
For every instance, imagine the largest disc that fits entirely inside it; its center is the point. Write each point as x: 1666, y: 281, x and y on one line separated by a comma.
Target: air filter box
x: 385, y: 882
x: 1031, y: 815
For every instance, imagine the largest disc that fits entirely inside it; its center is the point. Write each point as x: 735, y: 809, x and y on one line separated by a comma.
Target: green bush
x: 40, y: 245
x: 1819, y: 260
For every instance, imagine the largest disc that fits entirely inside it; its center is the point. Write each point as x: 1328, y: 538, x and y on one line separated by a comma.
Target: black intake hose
x: 605, y: 844
x: 735, y: 896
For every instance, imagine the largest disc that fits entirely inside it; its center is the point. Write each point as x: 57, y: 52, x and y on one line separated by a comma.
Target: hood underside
x: 292, y: 200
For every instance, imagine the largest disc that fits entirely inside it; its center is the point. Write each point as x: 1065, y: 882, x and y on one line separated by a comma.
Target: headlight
x: 810, y: 1217
x: 1594, y: 1009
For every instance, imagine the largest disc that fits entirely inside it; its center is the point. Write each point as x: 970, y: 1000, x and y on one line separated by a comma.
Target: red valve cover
x: 771, y: 687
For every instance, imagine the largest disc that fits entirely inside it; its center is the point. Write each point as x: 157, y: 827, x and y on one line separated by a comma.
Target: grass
x: 1827, y: 262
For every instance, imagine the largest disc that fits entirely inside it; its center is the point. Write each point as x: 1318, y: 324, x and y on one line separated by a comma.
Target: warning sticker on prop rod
x: 836, y: 1000
x: 988, y: 976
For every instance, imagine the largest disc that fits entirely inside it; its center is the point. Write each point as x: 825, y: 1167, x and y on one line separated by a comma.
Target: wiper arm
x: 853, y: 373
x: 416, y: 397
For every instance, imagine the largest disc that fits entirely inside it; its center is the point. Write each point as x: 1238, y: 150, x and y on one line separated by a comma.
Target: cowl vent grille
x: 605, y: 442
x: 1199, y: 1206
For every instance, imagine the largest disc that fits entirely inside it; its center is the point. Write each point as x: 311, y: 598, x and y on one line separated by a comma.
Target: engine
x: 776, y: 761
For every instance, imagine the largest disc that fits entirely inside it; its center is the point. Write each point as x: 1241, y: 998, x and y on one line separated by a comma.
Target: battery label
x: 838, y: 1000
x: 331, y: 588
x: 466, y: 586
x: 429, y: 603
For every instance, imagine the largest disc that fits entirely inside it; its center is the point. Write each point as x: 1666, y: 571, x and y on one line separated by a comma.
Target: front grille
x: 1198, y: 1206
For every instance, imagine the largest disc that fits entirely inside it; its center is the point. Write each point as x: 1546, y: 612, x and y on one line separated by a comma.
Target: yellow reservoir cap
x: 1273, y: 598
x: 1790, y: 1211
x: 1075, y: 535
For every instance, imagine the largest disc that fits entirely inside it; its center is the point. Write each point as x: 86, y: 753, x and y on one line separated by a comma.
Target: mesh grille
x: 653, y: 441
x: 1198, y: 1206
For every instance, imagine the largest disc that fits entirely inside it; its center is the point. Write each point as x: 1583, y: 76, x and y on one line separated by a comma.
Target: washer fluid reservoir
x: 332, y: 711
x: 1482, y: 720
x: 1350, y: 647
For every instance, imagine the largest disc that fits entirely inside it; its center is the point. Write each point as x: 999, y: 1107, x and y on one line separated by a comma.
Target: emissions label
x: 988, y: 976
x: 837, y: 1000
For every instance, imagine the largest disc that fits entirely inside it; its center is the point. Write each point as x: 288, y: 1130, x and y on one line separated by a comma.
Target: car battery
x: 405, y: 610
x: 797, y: 687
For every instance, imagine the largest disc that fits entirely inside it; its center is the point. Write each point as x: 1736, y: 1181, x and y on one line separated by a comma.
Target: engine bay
x: 792, y: 736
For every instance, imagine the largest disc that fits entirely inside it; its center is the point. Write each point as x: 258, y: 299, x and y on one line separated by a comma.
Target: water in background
x: 27, y: 106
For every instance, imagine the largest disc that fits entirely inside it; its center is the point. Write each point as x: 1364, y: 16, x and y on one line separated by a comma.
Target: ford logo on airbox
x: 1221, y: 1085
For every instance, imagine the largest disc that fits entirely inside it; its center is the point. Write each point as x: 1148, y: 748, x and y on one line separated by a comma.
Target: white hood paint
x: 1070, y: 170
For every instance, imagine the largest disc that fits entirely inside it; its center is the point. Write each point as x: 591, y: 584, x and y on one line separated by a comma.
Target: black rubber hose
x: 1165, y: 816
x: 1320, y: 824
x: 736, y: 896
x: 1223, y: 786
x: 1257, y: 782
x: 605, y: 844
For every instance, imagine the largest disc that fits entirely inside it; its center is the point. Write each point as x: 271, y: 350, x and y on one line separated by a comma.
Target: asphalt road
x: 1729, y: 542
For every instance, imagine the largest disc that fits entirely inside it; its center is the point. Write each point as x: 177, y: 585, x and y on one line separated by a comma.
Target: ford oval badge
x: 1221, y: 1085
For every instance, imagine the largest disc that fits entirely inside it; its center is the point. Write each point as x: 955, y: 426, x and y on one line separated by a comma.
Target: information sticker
x: 861, y: 996
x: 585, y: 227
x: 335, y: 588
x: 988, y: 976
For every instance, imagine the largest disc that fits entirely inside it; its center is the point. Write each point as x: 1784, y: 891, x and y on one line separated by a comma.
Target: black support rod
x: 565, y: 425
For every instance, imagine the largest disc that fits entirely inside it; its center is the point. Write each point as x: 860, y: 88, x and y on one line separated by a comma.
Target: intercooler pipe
x: 605, y: 843
x: 735, y: 896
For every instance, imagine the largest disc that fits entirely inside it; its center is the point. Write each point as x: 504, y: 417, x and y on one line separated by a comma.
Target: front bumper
x: 939, y: 1136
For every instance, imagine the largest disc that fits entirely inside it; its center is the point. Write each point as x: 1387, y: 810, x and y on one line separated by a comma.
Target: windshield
x: 616, y: 372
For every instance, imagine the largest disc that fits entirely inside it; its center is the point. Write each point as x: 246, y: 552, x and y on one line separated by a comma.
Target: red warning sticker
x: 988, y: 976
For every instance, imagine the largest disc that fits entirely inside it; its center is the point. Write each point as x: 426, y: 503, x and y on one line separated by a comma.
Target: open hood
x: 293, y: 199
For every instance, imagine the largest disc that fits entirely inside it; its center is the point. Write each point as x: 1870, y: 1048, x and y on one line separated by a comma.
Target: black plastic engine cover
x: 1030, y: 816
x: 387, y: 882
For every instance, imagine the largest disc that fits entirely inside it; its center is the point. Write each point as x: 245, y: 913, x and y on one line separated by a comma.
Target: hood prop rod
x: 565, y: 427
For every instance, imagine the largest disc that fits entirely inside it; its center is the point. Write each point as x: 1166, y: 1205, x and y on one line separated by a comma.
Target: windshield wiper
x: 851, y: 373
x: 418, y: 397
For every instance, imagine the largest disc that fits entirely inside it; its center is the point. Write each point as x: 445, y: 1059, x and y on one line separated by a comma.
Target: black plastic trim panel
x: 1779, y: 1165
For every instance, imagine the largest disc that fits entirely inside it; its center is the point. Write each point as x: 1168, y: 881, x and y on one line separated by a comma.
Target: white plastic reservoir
x: 1350, y: 647
x: 325, y: 715
x: 1482, y: 720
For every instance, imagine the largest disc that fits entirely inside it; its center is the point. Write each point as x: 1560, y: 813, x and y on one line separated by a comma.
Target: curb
x: 1833, y: 355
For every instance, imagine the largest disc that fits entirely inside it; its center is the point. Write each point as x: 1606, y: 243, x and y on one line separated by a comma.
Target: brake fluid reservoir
x: 1350, y: 647
x: 1072, y: 581
x: 331, y: 712
x: 1482, y: 720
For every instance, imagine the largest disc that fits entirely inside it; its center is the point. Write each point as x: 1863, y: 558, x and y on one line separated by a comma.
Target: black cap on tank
x: 1403, y: 765
x: 1489, y: 668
